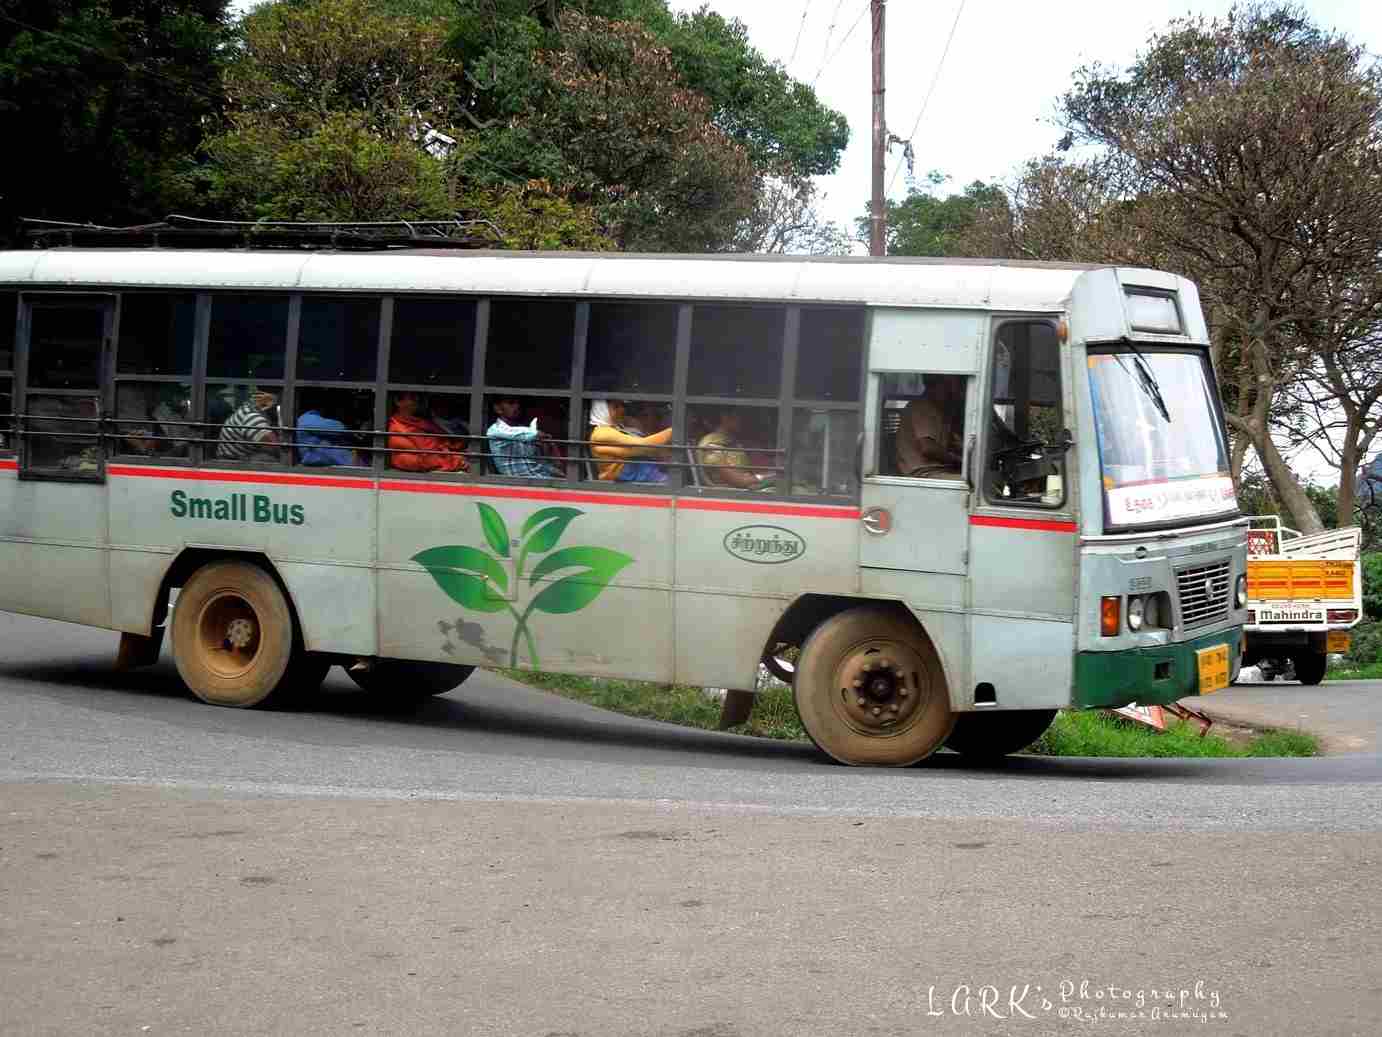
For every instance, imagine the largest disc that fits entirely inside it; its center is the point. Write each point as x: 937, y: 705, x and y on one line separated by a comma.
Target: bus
x: 942, y: 498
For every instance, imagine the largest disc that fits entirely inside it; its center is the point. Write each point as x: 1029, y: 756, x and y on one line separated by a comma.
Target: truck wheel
x: 1310, y: 666
x: 404, y: 681
x: 987, y: 736
x: 870, y: 690
x: 232, y: 634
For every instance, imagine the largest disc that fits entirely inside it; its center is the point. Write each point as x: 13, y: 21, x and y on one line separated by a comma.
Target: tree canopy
x: 100, y: 101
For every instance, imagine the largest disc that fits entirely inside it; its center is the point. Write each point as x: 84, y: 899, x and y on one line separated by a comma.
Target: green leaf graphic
x: 546, y: 527
x: 573, y: 593
x: 495, y: 531
x: 468, y: 591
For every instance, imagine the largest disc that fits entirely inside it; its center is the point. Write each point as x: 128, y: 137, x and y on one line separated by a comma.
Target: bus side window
x: 734, y: 385
x: 243, y: 421
x: 530, y: 343
x: 826, y: 419
x: 153, y: 379
x: 1025, y: 460
x: 338, y: 341
x: 630, y: 348
x: 6, y: 413
x: 921, y: 425
x: 9, y: 316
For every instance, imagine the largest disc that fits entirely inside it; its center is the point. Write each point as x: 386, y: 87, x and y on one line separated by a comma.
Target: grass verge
x: 1095, y: 733
x: 774, y: 713
x: 1090, y: 733
x: 1370, y: 672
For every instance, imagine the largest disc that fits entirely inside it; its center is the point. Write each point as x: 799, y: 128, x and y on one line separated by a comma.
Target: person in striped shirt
x: 247, y: 434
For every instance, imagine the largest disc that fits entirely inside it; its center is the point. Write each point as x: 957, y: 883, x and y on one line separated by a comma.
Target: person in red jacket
x: 410, y: 435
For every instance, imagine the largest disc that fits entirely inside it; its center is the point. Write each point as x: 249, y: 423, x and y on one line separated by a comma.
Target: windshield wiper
x: 1147, y: 380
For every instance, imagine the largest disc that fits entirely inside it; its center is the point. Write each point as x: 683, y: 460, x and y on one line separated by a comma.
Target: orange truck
x: 1305, y: 593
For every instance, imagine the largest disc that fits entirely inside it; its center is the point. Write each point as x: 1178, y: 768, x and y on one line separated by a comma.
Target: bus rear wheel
x: 870, y: 690
x: 232, y: 634
x: 1310, y: 666
x: 987, y: 736
x: 403, y: 681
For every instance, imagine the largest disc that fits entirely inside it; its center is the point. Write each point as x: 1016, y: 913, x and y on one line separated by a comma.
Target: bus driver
x: 929, y: 438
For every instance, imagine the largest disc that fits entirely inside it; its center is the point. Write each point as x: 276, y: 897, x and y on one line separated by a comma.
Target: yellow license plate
x: 1213, y: 663
x: 1337, y: 641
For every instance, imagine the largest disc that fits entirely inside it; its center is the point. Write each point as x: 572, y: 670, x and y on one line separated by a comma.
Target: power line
x: 805, y: 9
x: 825, y: 50
x: 929, y: 91
x: 843, y: 40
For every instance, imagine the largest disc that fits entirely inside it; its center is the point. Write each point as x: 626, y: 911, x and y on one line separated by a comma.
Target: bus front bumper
x: 1148, y: 676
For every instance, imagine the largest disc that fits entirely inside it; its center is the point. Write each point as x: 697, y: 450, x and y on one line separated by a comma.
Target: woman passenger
x: 414, y: 444
x: 615, y: 447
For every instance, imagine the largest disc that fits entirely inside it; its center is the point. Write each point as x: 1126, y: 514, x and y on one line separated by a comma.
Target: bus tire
x: 987, y: 736
x: 870, y: 690
x: 402, y: 680
x: 304, y: 676
x: 1310, y: 666
x: 232, y: 634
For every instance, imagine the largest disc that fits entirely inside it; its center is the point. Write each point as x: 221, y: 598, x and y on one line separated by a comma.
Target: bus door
x: 55, y: 522
x: 1023, y: 538
x: 915, y: 498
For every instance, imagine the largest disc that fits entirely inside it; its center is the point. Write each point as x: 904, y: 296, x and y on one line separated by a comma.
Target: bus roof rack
x: 193, y: 232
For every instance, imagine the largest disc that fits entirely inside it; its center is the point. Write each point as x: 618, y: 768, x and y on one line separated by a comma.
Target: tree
x: 342, y: 110
x: 100, y: 101
x: 925, y: 224
x: 679, y: 131
x: 1254, y: 144
x: 638, y: 144
x: 785, y: 221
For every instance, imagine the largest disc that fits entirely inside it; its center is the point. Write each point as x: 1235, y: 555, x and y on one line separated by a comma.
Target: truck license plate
x: 1337, y: 641
x: 1213, y: 664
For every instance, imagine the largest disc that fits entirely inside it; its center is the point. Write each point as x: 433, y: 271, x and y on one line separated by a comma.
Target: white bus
x: 943, y: 498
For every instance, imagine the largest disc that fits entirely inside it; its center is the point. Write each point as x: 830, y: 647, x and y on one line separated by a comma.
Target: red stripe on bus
x: 1040, y: 525
x: 264, y: 478
x: 519, y: 493
x: 8, y: 466
x: 754, y: 508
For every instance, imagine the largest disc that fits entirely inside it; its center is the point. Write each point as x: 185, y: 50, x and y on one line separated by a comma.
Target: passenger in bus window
x: 414, y: 442
x: 248, y: 434
x: 133, y: 416
x: 929, y: 437
x: 617, y: 448
x: 174, y: 406
x: 515, y: 448
x: 321, y: 436
x: 723, y: 459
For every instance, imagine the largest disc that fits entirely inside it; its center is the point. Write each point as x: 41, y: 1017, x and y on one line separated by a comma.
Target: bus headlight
x: 1136, y: 607
x: 1240, y: 594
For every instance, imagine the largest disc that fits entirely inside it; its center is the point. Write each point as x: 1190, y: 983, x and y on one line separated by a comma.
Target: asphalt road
x: 504, y: 862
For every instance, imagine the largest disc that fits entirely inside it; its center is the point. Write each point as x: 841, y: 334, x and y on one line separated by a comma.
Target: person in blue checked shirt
x: 513, y: 446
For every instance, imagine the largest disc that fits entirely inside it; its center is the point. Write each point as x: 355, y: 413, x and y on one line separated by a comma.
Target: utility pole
x: 877, y: 211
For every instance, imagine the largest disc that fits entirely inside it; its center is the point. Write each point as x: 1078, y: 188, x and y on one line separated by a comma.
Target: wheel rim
x: 881, y: 687
x: 228, y: 635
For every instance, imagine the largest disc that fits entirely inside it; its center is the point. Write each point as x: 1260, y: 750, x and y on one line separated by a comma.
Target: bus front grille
x: 1204, y: 593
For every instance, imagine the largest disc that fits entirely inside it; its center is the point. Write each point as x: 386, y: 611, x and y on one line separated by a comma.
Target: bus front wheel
x: 870, y: 690
x: 987, y: 736
x: 232, y: 634
x: 404, y: 681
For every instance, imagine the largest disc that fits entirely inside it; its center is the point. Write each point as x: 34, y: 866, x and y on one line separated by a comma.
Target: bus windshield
x: 1161, y: 448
